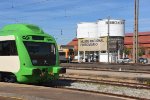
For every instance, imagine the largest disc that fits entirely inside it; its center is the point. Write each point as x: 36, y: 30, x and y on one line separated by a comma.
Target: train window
x: 61, y: 53
x: 41, y: 53
x: 8, y: 48
x: 38, y: 37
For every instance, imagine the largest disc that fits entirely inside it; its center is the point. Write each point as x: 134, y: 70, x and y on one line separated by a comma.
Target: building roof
x: 73, y: 42
x: 140, y: 34
x: 143, y: 39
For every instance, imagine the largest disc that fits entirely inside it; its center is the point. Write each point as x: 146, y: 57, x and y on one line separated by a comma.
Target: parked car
x: 123, y: 60
x: 143, y: 60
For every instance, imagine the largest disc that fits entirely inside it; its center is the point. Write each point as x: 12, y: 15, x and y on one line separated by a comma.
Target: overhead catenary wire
x: 43, y: 1
x: 65, y: 13
x: 24, y: 5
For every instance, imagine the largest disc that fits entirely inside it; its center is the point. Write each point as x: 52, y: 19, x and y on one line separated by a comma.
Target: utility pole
x: 135, y: 36
x: 108, y: 39
x: 61, y: 32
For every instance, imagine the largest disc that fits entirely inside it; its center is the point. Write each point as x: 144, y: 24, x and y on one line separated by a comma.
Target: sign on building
x: 92, y: 44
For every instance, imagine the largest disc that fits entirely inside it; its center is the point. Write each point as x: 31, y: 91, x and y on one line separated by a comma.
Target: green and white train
x: 28, y: 55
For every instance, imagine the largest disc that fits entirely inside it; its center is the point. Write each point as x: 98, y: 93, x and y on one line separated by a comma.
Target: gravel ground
x: 141, y: 93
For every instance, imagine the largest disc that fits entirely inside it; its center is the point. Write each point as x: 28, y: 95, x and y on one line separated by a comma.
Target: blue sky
x: 56, y: 15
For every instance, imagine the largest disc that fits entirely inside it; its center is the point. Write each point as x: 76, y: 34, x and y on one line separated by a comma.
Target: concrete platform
x: 30, y: 92
x: 9, y: 98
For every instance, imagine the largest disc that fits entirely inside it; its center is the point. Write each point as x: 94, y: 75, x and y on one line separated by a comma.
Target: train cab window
x: 8, y: 48
x: 41, y: 54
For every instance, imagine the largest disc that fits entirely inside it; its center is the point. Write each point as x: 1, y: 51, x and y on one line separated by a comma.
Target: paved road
x: 30, y: 92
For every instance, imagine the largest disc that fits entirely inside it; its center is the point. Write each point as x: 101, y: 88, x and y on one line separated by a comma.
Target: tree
x: 126, y: 51
x: 141, y: 51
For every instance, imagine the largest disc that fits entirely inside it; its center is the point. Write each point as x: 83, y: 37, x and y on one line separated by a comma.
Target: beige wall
x: 92, y: 44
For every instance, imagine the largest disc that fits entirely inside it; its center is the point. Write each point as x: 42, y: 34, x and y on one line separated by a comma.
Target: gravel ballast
x: 121, y: 90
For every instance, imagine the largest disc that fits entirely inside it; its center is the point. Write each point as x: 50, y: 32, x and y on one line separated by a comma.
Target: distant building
x: 74, y: 43
x: 93, y: 40
x: 144, y: 44
x: 66, y: 53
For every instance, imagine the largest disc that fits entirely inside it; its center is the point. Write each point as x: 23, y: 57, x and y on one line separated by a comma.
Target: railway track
x: 120, y: 76
x: 112, y: 67
x: 110, y: 94
x: 110, y: 70
x: 89, y: 85
x: 114, y: 83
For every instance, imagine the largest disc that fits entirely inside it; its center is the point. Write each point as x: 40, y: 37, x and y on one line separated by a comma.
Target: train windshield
x: 41, y: 53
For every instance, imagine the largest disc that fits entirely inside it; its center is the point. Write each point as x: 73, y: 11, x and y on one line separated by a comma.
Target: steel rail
x: 105, y: 93
x: 115, y: 83
x: 110, y: 70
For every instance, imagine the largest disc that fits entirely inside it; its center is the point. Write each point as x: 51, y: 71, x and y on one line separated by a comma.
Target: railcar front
x: 38, y: 59
x: 28, y: 55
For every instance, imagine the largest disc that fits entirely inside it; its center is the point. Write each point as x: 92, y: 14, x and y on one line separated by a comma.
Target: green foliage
x: 141, y: 51
x: 140, y: 54
x: 127, y: 50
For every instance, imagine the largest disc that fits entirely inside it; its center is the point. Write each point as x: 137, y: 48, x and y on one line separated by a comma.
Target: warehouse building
x: 144, y: 44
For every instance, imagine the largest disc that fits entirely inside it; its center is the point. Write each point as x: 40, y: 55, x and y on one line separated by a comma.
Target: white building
x: 116, y: 27
x: 100, y: 28
x: 93, y: 37
x: 87, y: 30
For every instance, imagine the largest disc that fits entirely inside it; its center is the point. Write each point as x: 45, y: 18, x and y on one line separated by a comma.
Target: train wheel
x: 0, y: 77
x: 10, y: 79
